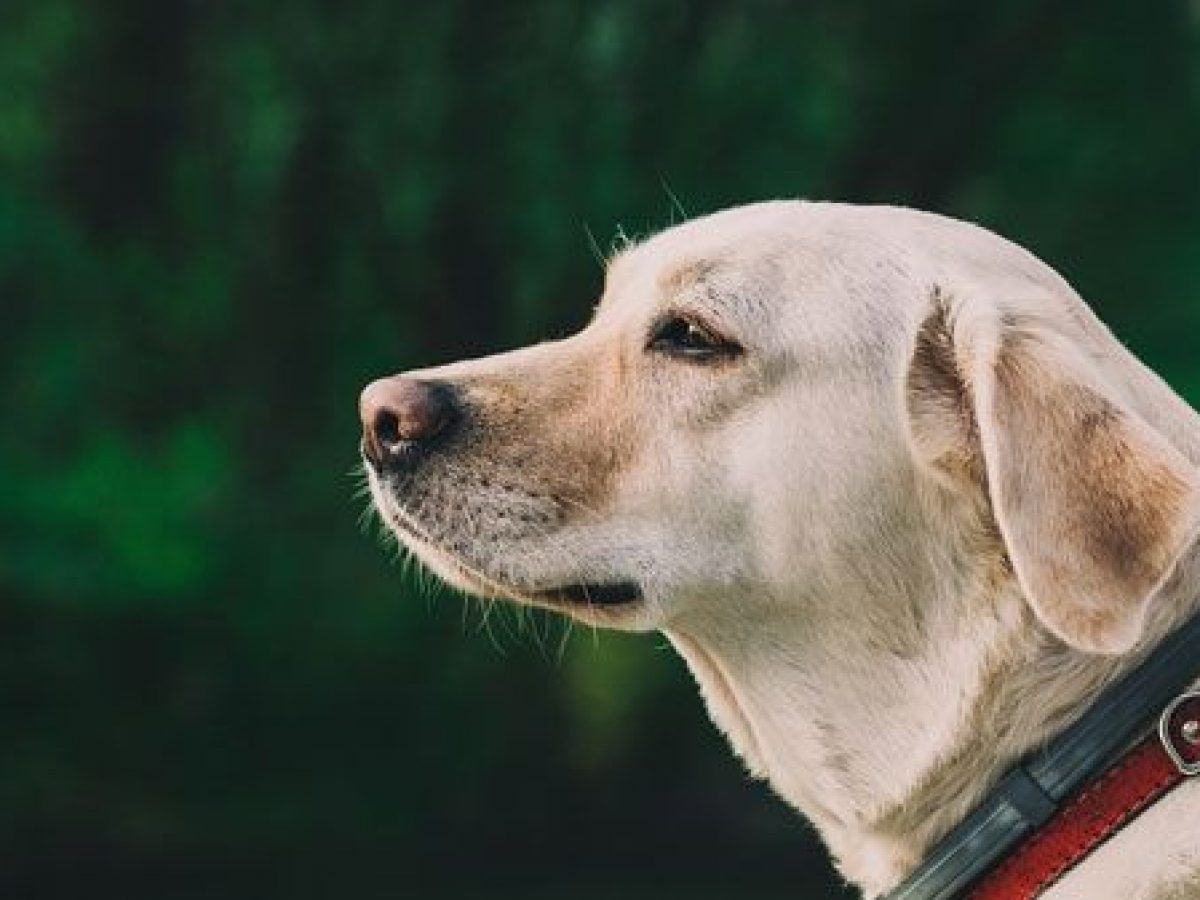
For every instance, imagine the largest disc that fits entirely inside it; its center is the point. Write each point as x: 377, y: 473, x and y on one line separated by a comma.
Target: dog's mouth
x: 617, y: 593
x: 578, y: 597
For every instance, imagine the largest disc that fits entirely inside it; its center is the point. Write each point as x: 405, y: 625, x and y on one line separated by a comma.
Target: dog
x: 899, y: 499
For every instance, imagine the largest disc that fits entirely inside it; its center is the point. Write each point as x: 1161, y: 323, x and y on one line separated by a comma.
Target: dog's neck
x: 885, y: 743
x: 885, y: 729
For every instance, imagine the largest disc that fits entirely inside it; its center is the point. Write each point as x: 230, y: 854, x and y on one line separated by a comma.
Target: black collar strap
x: 1032, y: 791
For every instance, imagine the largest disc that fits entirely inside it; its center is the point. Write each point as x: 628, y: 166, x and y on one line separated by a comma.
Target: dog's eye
x: 685, y: 338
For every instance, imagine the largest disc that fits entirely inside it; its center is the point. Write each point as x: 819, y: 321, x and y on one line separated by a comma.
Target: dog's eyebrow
x: 687, y: 275
x: 673, y: 281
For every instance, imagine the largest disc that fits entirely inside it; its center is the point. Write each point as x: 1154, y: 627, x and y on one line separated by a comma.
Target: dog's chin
x: 616, y: 603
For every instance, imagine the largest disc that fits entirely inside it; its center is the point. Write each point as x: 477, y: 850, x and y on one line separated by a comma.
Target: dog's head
x: 787, y: 406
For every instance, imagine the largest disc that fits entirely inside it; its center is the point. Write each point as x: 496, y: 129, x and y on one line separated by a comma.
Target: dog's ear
x: 1094, y: 506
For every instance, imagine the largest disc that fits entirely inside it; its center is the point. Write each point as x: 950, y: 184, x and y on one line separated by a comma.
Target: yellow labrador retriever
x: 900, y: 500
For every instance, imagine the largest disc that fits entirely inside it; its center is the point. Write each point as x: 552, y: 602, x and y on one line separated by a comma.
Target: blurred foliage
x: 218, y: 221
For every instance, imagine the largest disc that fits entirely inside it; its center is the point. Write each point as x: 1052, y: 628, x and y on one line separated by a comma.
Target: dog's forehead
x: 838, y: 267
x: 736, y: 244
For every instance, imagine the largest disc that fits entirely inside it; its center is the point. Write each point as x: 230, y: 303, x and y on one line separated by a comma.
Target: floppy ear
x: 1094, y: 506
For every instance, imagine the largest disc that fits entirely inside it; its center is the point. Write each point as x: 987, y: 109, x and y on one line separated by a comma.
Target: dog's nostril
x: 387, y: 430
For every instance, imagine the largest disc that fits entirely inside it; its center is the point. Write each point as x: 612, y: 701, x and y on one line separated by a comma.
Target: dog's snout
x: 400, y: 414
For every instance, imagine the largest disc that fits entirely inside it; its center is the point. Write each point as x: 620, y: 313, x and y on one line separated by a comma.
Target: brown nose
x: 400, y: 414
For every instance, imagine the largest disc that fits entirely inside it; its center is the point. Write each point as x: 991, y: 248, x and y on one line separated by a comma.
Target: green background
x: 219, y: 220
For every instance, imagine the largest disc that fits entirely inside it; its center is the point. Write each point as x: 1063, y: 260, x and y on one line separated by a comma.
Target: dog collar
x: 1052, y: 809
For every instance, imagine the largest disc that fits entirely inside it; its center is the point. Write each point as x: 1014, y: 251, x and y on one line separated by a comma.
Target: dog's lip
x: 589, y: 594
x: 607, y: 593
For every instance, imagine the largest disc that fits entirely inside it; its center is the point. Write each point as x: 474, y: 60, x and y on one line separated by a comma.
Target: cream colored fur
x: 901, y: 540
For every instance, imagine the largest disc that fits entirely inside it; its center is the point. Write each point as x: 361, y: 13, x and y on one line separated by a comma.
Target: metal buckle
x: 1165, y: 724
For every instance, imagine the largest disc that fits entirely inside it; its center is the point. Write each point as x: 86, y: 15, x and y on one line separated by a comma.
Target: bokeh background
x: 219, y: 220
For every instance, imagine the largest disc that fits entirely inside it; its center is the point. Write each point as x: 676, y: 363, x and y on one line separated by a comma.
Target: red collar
x: 1102, y: 808
x: 1054, y: 806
